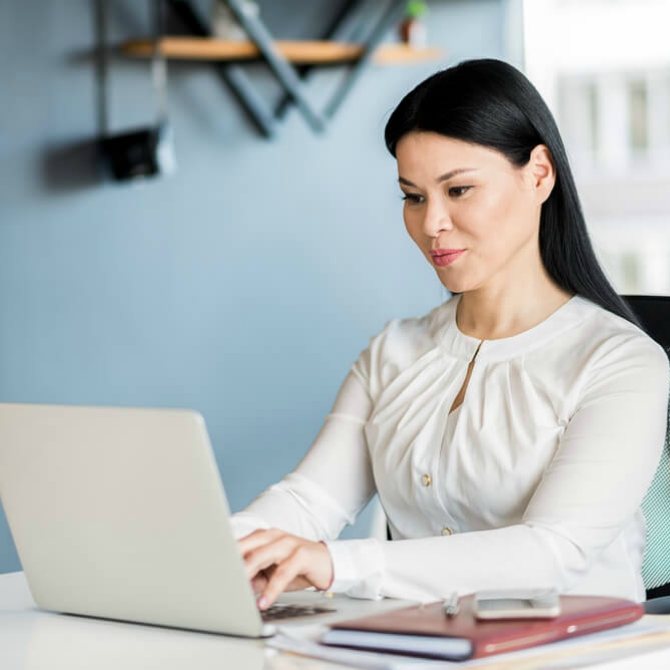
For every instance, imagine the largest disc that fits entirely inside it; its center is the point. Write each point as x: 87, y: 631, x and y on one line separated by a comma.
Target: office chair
x: 653, y: 313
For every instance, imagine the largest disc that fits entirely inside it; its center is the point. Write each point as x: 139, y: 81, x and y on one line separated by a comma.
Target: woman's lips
x: 444, y: 257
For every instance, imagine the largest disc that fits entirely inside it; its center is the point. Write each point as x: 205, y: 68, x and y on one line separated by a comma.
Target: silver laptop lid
x: 120, y: 513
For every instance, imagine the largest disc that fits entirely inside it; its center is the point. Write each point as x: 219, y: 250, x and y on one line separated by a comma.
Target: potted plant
x: 413, y: 28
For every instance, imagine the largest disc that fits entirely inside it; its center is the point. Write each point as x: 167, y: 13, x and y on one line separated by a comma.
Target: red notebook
x: 426, y: 631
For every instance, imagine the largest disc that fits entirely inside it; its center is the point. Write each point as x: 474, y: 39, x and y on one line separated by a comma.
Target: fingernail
x: 262, y: 603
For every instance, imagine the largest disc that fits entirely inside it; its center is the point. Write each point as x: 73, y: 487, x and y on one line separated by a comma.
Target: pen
x: 450, y: 605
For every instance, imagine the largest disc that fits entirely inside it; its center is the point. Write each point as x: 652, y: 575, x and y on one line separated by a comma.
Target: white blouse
x: 534, y: 482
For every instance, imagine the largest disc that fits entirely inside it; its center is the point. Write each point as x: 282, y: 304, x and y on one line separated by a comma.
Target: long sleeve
x: 588, y: 494
x: 331, y: 484
x: 536, y: 483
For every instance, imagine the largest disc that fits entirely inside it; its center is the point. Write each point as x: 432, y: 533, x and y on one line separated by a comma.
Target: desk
x: 31, y: 639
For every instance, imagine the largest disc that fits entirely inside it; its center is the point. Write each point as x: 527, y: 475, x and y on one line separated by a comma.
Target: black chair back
x: 654, y: 315
x: 653, y: 311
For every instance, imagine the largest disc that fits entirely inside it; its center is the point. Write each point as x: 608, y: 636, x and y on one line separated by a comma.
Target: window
x: 578, y: 117
x: 638, y: 116
x: 612, y: 105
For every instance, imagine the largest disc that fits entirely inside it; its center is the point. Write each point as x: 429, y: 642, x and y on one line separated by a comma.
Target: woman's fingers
x: 267, y: 555
x: 309, y: 564
x: 260, y: 581
x: 293, y: 566
x: 276, y: 562
x: 257, y: 539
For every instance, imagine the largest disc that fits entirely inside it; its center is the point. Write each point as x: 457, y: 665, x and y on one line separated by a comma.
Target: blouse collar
x: 458, y: 344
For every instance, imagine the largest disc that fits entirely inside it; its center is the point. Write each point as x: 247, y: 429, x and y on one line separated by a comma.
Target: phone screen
x: 498, y: 606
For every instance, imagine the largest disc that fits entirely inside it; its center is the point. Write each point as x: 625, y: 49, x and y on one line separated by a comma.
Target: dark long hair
x: 490, y: 103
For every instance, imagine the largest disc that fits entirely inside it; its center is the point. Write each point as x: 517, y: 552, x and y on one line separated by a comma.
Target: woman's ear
x: 541, y: 166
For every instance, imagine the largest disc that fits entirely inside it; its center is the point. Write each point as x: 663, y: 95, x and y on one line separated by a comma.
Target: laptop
x: 120, y: 513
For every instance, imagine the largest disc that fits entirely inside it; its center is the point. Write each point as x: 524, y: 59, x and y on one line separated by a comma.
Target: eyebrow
x: 445, y: 177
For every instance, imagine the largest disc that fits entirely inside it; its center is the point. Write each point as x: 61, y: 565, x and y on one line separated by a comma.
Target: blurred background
x: 604, y: 68
x: 246, y: 283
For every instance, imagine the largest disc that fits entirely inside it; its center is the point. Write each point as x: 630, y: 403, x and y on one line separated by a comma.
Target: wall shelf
x: 290, y: 62
x: 308, y: 52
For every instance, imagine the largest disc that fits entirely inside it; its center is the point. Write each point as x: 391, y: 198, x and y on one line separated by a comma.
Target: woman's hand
x: 276, y: 561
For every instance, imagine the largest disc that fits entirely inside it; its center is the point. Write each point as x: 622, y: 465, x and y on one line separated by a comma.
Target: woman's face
x: 473, y: 214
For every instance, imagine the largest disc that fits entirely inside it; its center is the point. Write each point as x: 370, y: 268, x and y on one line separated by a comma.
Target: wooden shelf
x: 297, y: 52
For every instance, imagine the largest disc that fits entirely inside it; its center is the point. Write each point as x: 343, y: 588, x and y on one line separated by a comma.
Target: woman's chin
x: 453, y: 285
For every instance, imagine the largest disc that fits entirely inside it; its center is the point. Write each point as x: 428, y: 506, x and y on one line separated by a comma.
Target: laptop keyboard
x: 282, y: 611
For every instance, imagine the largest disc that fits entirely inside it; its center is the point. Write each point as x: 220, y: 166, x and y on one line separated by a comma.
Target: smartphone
x: 516, y: 605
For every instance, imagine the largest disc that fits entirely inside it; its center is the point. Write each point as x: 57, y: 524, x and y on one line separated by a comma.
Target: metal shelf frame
x: 290, y: 77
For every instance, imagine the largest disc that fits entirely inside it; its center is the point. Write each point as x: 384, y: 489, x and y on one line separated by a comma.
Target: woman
x: 512, y: 432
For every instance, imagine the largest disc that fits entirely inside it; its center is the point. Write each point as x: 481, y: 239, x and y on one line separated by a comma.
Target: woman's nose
x: 436, y: 220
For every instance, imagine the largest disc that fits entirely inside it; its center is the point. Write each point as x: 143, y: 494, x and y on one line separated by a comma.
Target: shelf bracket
x: 233, y: 75
x: 392, y: 15
x: 290, y: 78
x: 335, y: 31
x: 283, y: 70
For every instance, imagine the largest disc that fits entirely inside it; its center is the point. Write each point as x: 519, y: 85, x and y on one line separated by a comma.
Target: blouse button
x: 425, y: 480
x: 446, y: 531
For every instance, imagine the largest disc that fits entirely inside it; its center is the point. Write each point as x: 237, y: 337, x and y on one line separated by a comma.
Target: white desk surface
x: 31, y: 639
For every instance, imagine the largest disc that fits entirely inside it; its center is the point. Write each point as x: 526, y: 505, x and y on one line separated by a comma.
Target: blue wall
x: 245, y: 285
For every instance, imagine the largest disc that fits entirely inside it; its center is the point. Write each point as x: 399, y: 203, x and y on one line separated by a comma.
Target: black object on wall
x: 140, y: 152
x: 145, y: 152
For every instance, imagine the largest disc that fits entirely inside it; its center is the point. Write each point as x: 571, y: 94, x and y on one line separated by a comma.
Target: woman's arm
x: 281, y: 532
x: 331, y: 484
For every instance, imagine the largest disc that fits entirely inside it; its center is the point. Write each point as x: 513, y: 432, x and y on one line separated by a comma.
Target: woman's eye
x: 457, y: 191
x: 413, y: 198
